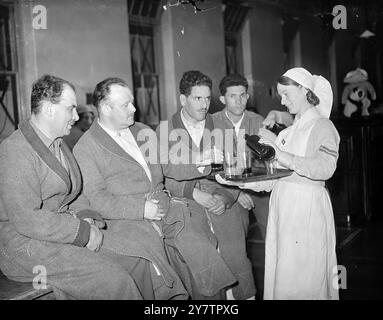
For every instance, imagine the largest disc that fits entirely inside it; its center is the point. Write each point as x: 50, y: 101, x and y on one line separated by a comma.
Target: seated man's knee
x: 116, y: 283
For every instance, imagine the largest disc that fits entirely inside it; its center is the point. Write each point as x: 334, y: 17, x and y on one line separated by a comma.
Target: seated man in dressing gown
x: 128, y: 191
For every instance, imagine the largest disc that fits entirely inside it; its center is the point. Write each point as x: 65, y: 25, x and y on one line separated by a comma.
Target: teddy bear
x: 354, y: 95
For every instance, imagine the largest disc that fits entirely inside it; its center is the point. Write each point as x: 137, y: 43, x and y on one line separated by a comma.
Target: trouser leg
x: 149, y: 280
x: 139, y: 269
x: 231, y: 234
x: 83, y: 274
x: 187, y: 278
x: 261, y: 210
x: 192, y: 252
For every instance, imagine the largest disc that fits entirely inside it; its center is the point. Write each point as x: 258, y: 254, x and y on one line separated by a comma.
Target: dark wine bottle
x: 262, y: 151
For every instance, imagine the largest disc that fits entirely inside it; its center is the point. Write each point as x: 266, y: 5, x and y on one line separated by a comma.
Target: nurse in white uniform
x: 300, y: 257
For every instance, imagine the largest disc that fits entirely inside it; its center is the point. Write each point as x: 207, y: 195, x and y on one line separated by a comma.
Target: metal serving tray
x: 257, y: 174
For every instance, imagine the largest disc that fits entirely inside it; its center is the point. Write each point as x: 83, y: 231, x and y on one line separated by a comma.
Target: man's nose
x: 238, y: 100
x: 205, y: 103
x: 132, y: 108
x: 75, y: 115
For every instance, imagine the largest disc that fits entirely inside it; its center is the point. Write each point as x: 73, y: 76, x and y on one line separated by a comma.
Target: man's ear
x: 183, y: 100
x: 222, y: 99
x: 47, y: 109
x: 104, y: 108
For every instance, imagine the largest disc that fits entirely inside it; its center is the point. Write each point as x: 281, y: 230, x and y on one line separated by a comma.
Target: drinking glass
x: 246, y: 158
x: 232, y: 167
x: 271, y: 166
x: 216, y: 162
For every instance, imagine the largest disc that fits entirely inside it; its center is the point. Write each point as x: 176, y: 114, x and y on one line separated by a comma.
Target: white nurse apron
x: 300, y: 253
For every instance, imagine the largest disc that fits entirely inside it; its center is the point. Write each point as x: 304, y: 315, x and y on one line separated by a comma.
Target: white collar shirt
x: 236, y: 125
x: 195, y: 130
x: 125, y: 139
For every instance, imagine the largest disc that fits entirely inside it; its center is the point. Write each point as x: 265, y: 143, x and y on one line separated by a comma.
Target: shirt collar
x: 43, y: 136
x: 113, y: 133
x: 198, y: 125
x: 239, y: 122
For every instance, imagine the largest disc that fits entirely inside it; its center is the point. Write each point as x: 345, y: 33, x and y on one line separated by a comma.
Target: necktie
x: 235, y: 151
x: 56, y: 148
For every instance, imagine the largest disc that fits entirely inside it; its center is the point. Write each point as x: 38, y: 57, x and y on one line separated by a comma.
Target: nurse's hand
x: 270, y: 119
x: 258, y: 186
x: 227, y: 182
x: 267, y: 141
x: 267, y: 134
x: 281, y: 117
x: 284, y: 158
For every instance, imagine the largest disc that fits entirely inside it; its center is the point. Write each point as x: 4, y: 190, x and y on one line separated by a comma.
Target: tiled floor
x: 360, y: 250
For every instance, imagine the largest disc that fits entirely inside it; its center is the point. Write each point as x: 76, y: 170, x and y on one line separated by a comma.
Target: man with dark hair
x: 232, y: 80
x: 102, y: 90
x: 194, y: 126
x: 193, y: 78
x: 234, y: 116
x: 47, y: 88
x: 127, y: 189
x: 46, y: 222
